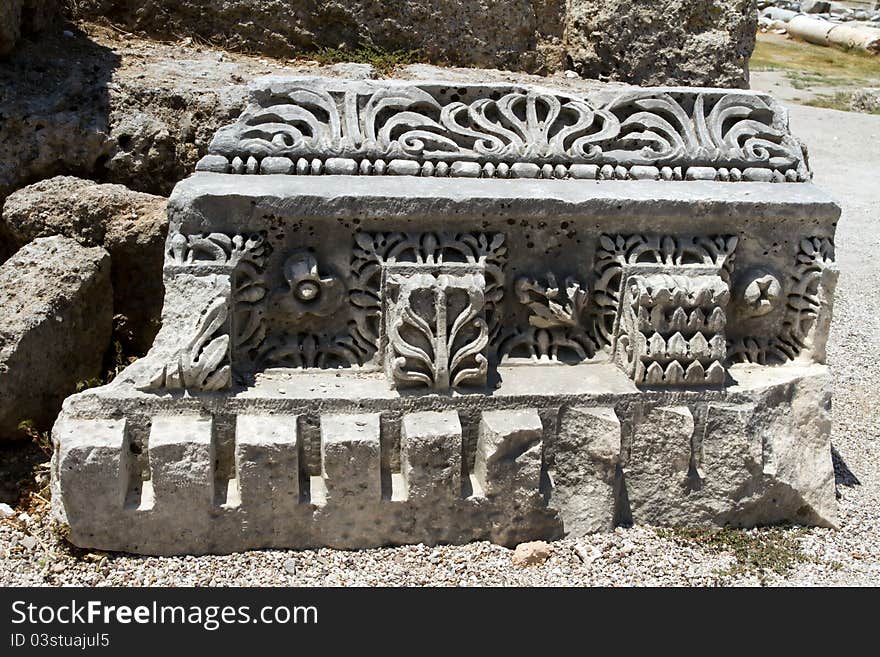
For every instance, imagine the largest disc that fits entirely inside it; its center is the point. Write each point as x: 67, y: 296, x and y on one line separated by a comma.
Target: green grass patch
x: 384, y: 61
x: 841, y: 100
x: 815, y: 64
x: 757, y: 552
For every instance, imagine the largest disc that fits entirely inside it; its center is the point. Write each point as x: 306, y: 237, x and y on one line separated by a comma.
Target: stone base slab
x: 309, y: 459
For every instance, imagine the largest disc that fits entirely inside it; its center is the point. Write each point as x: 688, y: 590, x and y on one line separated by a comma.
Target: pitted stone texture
x: 56, y: 301
x: 726, y: 486
x: 702, y: 42
x: 25, y: 17
x: 350, y: 458
x: 130, y: 225
x: 267, y: 465
x: 430, y: 454
x: 798, y: 471
x: 582, y: 465
x: 509, y: 452
x: 656, y: 470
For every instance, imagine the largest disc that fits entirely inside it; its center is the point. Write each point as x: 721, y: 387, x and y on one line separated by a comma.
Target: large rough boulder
x: 131, y: 226
x: 691, y: 42
x: 19, y: 17
x: 134, y: 112
x: 55, y: 327
x: 696, y: 42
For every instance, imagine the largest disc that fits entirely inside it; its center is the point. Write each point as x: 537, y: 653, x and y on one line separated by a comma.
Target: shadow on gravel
x: 843, y: 476
x: 19, y: 463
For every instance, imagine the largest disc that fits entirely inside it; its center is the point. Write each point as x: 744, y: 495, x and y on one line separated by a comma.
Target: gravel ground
x: 843, y: 154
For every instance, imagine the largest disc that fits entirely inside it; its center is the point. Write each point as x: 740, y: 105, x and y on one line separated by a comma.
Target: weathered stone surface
x: 663, y: 42
x: 656, y: 472
x: 131, y: 226
x: 350, y: 458
x: 430, y: 454
x: 582, y: 464
x: 496, y: 316
x: 73, y: 105
x: 509, y: 450
x: 56, y: 301
x: 707, y: 42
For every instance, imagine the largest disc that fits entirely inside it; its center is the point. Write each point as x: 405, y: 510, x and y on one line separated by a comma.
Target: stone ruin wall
x: 694, y: 42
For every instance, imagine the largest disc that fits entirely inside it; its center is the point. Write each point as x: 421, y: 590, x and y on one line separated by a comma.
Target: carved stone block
x: 267, y: 463
x: 92, y: 465
x: 509, y: 451
x: 672, y: 329
x: 350, y: 458
x: 436, y: 330
x: 583, y: 469
x: 398, y: 314
x: 656, y: 470
x: 430, y: 454
x: 182, y: 461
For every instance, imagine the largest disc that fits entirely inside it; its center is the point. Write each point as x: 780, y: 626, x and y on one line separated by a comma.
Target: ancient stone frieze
x: 426, y: 129
x: 531, y: 350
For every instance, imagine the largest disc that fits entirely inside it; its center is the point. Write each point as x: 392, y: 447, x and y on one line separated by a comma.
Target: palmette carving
x: 372, y: 253
x: 420, y: 129
x: 437, y: 331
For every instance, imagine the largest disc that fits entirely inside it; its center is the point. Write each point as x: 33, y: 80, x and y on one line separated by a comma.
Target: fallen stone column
x: 827, y: 33
x: 402, y: 312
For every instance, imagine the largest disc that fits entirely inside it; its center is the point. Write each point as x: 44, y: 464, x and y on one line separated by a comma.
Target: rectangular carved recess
x: 437, y: 310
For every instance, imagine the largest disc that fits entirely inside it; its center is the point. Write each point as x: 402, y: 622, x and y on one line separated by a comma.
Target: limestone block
x: 351, y: 457
x: 131, y: 226
x: 657, y: 468
x: 509, y: 451
x: 430, y: 454
x: 267, y: 463
x: 55, y: 324
x: 181, y: 453
x: 461, y: 280
x: 585, y: 457
x: 91, y: 465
